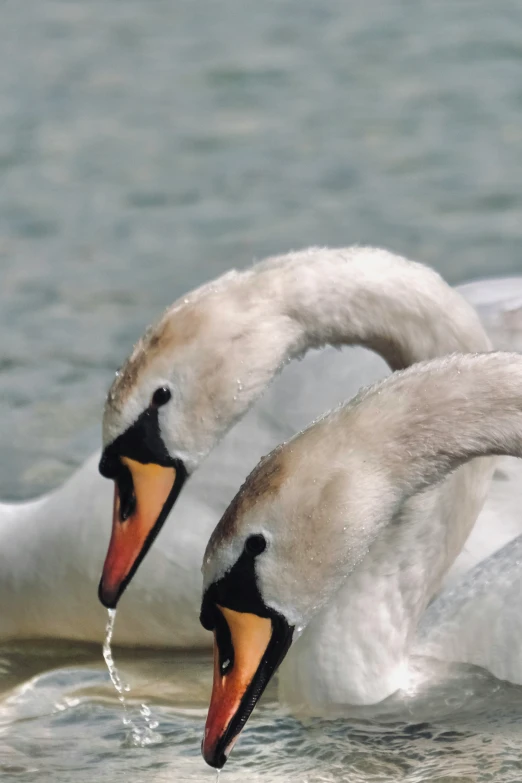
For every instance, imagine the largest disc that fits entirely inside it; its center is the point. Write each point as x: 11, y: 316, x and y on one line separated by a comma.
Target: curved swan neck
x: 402, y: 310
x: 221, y: 346
x: 393, y: 540
x: 334, y: 488
x: 439, y: 415
x: 404, y: 435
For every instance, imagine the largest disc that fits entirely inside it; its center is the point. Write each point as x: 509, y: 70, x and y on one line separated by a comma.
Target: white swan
x: 197, y: 371
x: 340, y: 537
x: 51, y: 550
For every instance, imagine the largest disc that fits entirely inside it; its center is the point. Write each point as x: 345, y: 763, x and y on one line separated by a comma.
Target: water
x: 146, y: 146
x: 137, y: 735
x: 114, y: 674
x: 65, y: 724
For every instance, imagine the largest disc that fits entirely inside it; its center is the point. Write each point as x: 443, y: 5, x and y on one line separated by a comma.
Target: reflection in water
x: 65, y: 725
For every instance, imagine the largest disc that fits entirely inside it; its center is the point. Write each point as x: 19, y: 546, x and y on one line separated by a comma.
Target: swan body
x: 478, y: 620
x: 51, y: 549
x: 346, y: 530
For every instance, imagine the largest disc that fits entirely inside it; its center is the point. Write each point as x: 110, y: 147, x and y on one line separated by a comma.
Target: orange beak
x: 238, y: 683
x: 134, y: 529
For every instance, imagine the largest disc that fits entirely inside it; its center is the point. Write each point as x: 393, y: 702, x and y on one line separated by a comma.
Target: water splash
x: 141, y: 733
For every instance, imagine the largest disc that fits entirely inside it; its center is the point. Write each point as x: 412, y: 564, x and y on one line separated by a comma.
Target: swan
x: 478, y: 619
x: 52, y: 548
x: 347, y: 525
x: 202, y: 366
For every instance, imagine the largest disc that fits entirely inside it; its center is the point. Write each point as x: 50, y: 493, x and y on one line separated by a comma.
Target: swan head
x: 184, y: 385
x: 281, y: 550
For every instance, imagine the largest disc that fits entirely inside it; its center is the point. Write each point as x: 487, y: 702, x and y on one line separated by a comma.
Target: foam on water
x: 141, y: 733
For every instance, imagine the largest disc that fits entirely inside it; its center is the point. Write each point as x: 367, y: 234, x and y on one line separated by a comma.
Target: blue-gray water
x: 147, y: 145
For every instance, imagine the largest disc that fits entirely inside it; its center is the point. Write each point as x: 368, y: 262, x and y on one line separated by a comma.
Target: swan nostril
x: 224, y: 644
x: 126, y: 493
x: 127, y: 508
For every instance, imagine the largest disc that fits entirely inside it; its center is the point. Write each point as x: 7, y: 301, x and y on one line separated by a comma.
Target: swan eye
x: 255, y: 544
x: 161, y: 396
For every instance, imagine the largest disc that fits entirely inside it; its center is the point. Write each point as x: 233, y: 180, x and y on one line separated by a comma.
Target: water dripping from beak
x: 137, y: 735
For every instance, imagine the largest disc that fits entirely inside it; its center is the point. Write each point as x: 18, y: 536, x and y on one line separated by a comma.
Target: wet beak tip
x: 214, y: 758
x: 213, y: 750
x: 108, y: 598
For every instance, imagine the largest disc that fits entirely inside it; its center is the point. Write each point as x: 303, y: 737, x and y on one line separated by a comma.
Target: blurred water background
x: 148, y: 145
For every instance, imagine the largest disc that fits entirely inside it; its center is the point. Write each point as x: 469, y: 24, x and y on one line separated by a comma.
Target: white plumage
x: 51, y: 550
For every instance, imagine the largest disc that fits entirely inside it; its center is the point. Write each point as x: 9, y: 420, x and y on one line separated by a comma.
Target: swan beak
x: 138, y: 515
x: 259, y: 644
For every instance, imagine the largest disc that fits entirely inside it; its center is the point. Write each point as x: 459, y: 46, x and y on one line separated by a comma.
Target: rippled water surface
x: 65, y: 725
x: 146, y: 146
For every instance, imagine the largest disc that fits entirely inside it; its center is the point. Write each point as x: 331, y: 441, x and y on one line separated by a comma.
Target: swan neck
x: 364, y: 471
x: 402, y: 310
x: 411, y: 431
x: 437, y: 416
